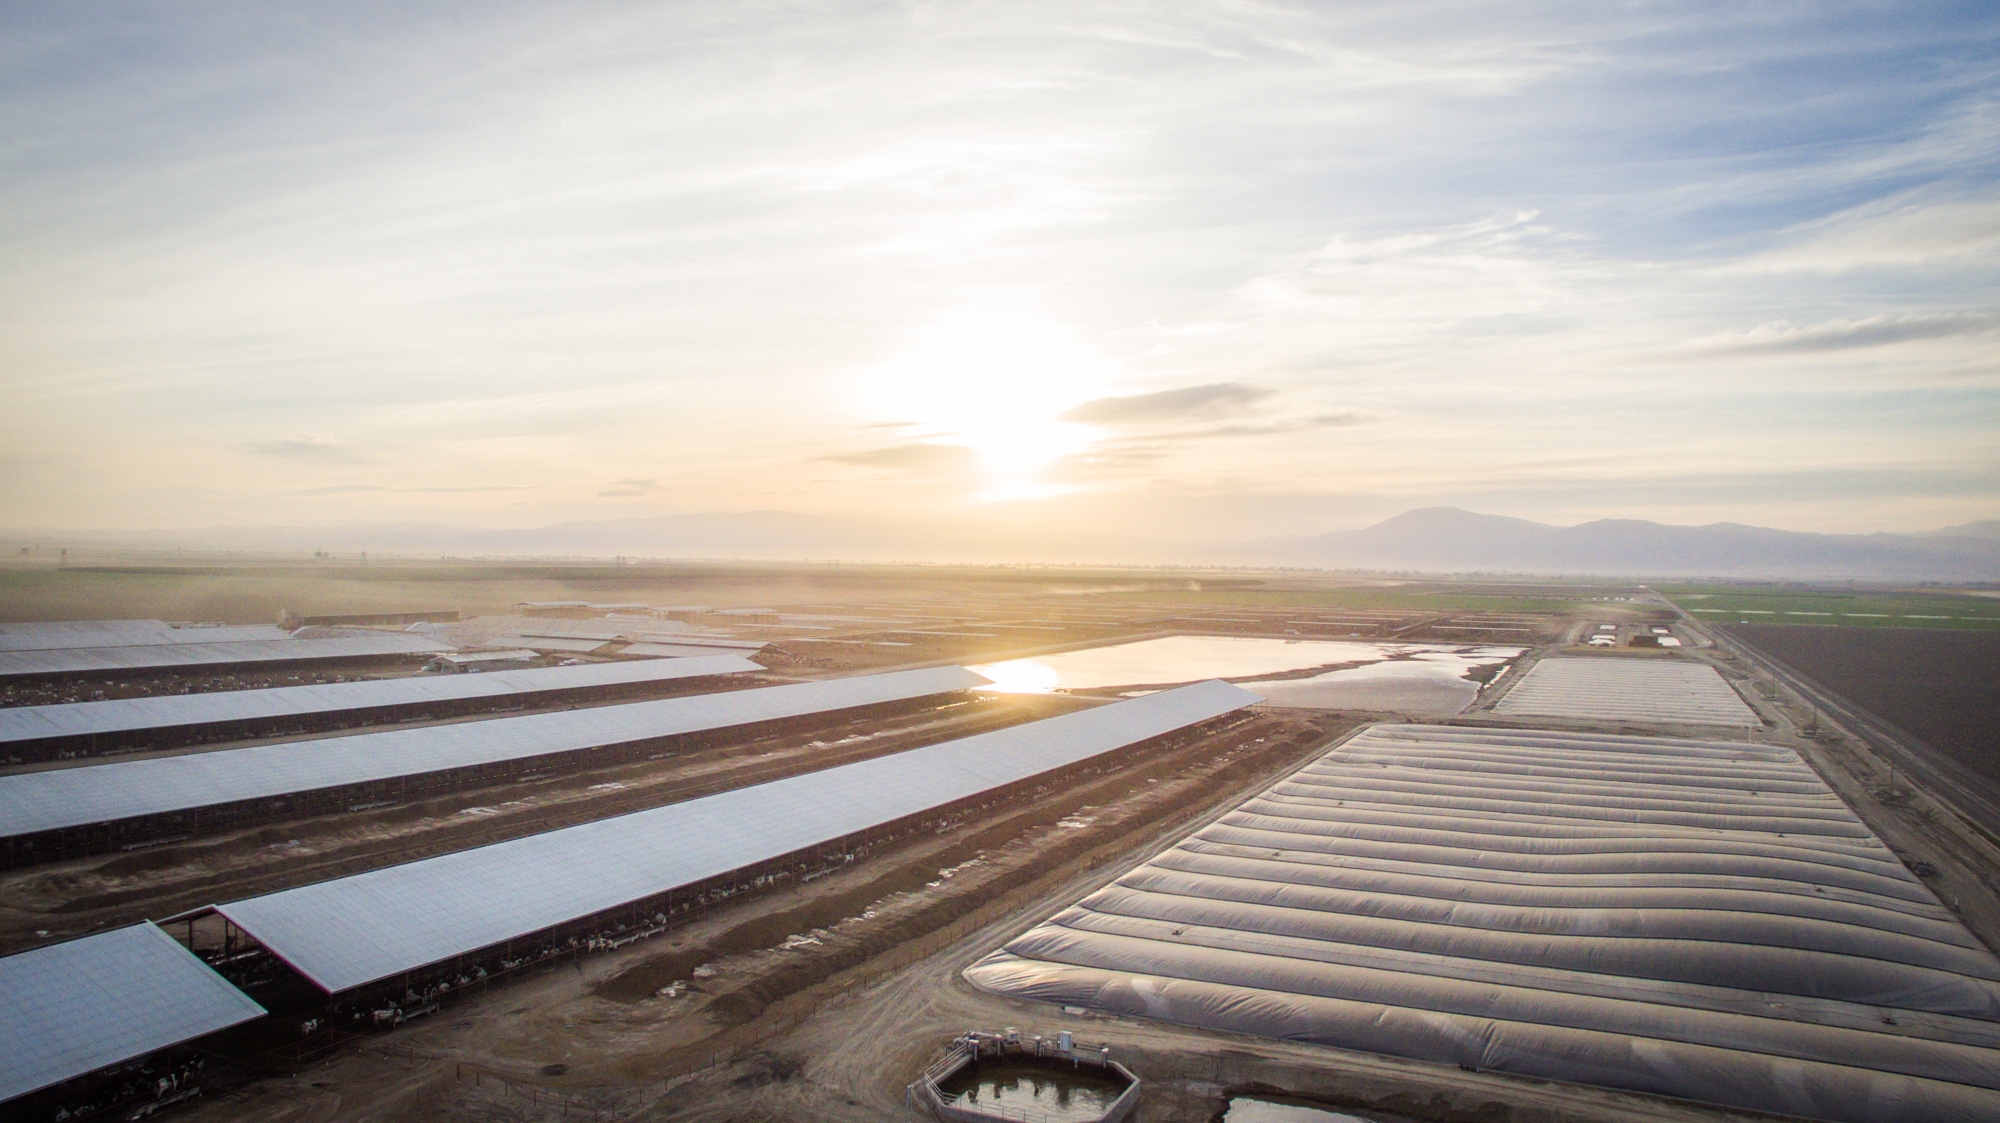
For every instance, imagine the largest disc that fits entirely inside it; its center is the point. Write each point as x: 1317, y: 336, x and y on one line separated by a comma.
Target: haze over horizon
x: 1194, y: 271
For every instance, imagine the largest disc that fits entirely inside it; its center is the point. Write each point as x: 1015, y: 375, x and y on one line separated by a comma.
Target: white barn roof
x: 1628, y: 689
x: 101, y: 793
x: 156, y: 657
x: 138, y: 637
x: 72, y: 1008
x: 355, y: 930
x: 42, y: 627
x: 1697, y: 919
x: 28, y: 723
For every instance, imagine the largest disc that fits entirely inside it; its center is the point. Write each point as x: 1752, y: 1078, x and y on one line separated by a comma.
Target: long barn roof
x: 101, y: 793
x: 202, y: 656
x: 124, y: 715
x: 138, y: 637
x: 72, y: 1008
x: 356, y: 930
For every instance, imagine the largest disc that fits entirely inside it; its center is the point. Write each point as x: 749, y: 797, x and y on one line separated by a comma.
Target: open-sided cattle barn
x: 97, y: 661
x: 101, y: 807
x: 71, y: 1011
x: 32, y: 733
x: 427, y: 926
x: 138, y: 636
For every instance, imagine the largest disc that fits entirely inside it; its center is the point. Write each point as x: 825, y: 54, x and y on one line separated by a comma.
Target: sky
x: 1186, y: 270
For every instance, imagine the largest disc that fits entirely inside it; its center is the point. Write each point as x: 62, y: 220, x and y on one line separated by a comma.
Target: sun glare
x: 995, y: 383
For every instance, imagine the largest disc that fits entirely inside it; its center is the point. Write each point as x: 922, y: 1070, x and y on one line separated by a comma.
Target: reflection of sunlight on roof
x: 1018, y: 676
x: 996, y: 383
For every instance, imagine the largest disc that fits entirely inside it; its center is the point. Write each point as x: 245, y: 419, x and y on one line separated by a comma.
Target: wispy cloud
x: 920, y: 457
x: 630, y: 488
x: 1214, y: 399
x: 351, y: 489
x: 304, y: 448
x: 1784, y: 337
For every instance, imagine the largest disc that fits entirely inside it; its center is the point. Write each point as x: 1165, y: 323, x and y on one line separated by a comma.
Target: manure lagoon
x: 1427, y: 678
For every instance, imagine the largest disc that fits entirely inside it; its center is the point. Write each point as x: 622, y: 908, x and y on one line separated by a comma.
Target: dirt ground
x: 1943, y: 686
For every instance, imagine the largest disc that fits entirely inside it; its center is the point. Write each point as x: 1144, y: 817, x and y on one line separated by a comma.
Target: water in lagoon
x: 1058, y: 1093
x: 1404, y: 677
x: 1250, y: 1109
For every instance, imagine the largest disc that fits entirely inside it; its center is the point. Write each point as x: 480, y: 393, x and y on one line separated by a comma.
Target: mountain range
x: 1431, y: 539
x: 1445, y: 538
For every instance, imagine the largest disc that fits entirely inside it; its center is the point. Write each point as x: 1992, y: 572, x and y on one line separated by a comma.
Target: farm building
x: 36, y: 733
x: 74, y: 662
x: 96, y: 808
x: 422, y: 928
x: 470, y: 661
x: 92, y: 1024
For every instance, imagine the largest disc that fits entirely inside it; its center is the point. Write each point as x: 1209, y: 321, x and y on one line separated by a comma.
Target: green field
x: 1860, y: 609
x: 1383, y: 599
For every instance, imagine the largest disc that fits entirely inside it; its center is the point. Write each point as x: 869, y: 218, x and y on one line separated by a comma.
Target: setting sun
x: 995, y: 383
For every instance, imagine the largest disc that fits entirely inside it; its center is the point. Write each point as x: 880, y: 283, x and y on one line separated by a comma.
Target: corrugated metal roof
x: 99, y: 793
x: 28, y: 723
x: 1698, y: 919
x: 503, y: 655
x: 43, y: 627
x: 546, y: 643
x: 76, y: 1007
x: 667, y: 650
x: 1628, y: 689
x: 139, y: 637
x: 197, y: 655
x: 345, y: 933
x: 699, y: 641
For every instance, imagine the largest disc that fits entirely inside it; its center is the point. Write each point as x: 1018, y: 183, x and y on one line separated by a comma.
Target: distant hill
x: 1431, y: 539
x: 1446, y: 538
x: 1987, y: 528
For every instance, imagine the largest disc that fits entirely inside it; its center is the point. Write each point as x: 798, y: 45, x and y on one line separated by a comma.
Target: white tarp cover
x: 120, y: 715
x: 1696, y: 919
x: 344, y: 933
x: 76, y: 1007
x: 158, y: 657
x: 1628, y: 688
x: 103, y: 793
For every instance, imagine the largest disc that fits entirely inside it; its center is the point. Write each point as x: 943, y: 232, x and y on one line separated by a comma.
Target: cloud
x: 1782, y: 336
x: 1900, y: 232
x: 913, y: 458
x: 1190, y: 401
x: 631, y: 487
x: 303, y: 447
x: 345, y: 489
x: 1323, y: 421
